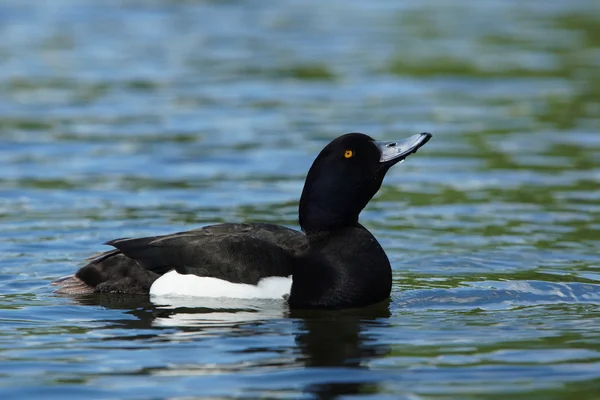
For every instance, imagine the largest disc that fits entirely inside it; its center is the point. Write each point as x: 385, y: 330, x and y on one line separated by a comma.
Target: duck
x: 333, y: 262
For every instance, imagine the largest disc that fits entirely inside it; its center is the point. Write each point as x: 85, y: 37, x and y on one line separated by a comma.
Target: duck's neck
x: 342, y: 268
x: 317, y: 213
x: 316, y: 221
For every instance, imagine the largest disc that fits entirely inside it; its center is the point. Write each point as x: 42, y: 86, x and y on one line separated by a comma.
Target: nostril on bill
x: 391, y: 145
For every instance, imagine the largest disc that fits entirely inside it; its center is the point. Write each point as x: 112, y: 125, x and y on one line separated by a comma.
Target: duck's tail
x: 107, y: 272
x: 71, y: 285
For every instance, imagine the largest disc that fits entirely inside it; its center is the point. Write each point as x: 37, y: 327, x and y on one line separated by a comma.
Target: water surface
x: 130, y: 118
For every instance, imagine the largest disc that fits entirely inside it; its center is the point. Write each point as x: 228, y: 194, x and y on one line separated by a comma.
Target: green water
x: 131, y: 118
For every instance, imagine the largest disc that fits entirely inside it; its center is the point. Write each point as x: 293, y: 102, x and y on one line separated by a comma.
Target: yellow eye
x: 349, y: 153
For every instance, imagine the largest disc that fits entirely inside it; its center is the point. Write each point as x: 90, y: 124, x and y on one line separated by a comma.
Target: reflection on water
x: 138, y: 118
x: 337, y: 343
x: 340, y: 346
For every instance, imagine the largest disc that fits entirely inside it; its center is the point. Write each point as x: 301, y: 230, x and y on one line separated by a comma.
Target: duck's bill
x: 396, y: 151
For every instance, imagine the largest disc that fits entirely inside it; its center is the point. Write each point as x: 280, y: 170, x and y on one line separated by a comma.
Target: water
x: 131, y: 118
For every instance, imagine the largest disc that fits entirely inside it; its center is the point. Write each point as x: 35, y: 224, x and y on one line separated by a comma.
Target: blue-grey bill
x: 400, y: 149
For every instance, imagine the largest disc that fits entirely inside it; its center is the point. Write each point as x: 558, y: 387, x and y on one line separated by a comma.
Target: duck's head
x: 346, y: 175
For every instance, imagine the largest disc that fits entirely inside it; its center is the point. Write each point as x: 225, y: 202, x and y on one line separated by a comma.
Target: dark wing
x: 286, y: 238
x: 236, y: 258
x: 240, y: 253
x: 236, y: 252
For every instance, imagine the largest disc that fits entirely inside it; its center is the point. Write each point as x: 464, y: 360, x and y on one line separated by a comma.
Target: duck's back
x: 238, y: 253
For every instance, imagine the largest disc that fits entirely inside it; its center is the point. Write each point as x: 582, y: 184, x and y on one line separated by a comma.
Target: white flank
x: 174, y: 284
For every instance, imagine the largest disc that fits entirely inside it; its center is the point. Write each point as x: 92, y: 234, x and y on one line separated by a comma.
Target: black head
x: 346, y: 175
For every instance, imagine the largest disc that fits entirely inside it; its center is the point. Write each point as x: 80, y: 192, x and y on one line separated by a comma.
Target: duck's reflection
x: 339, y: 344
x: 335, y: 347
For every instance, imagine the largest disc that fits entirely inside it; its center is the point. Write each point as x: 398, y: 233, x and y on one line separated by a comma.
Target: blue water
x: 131, y: 118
